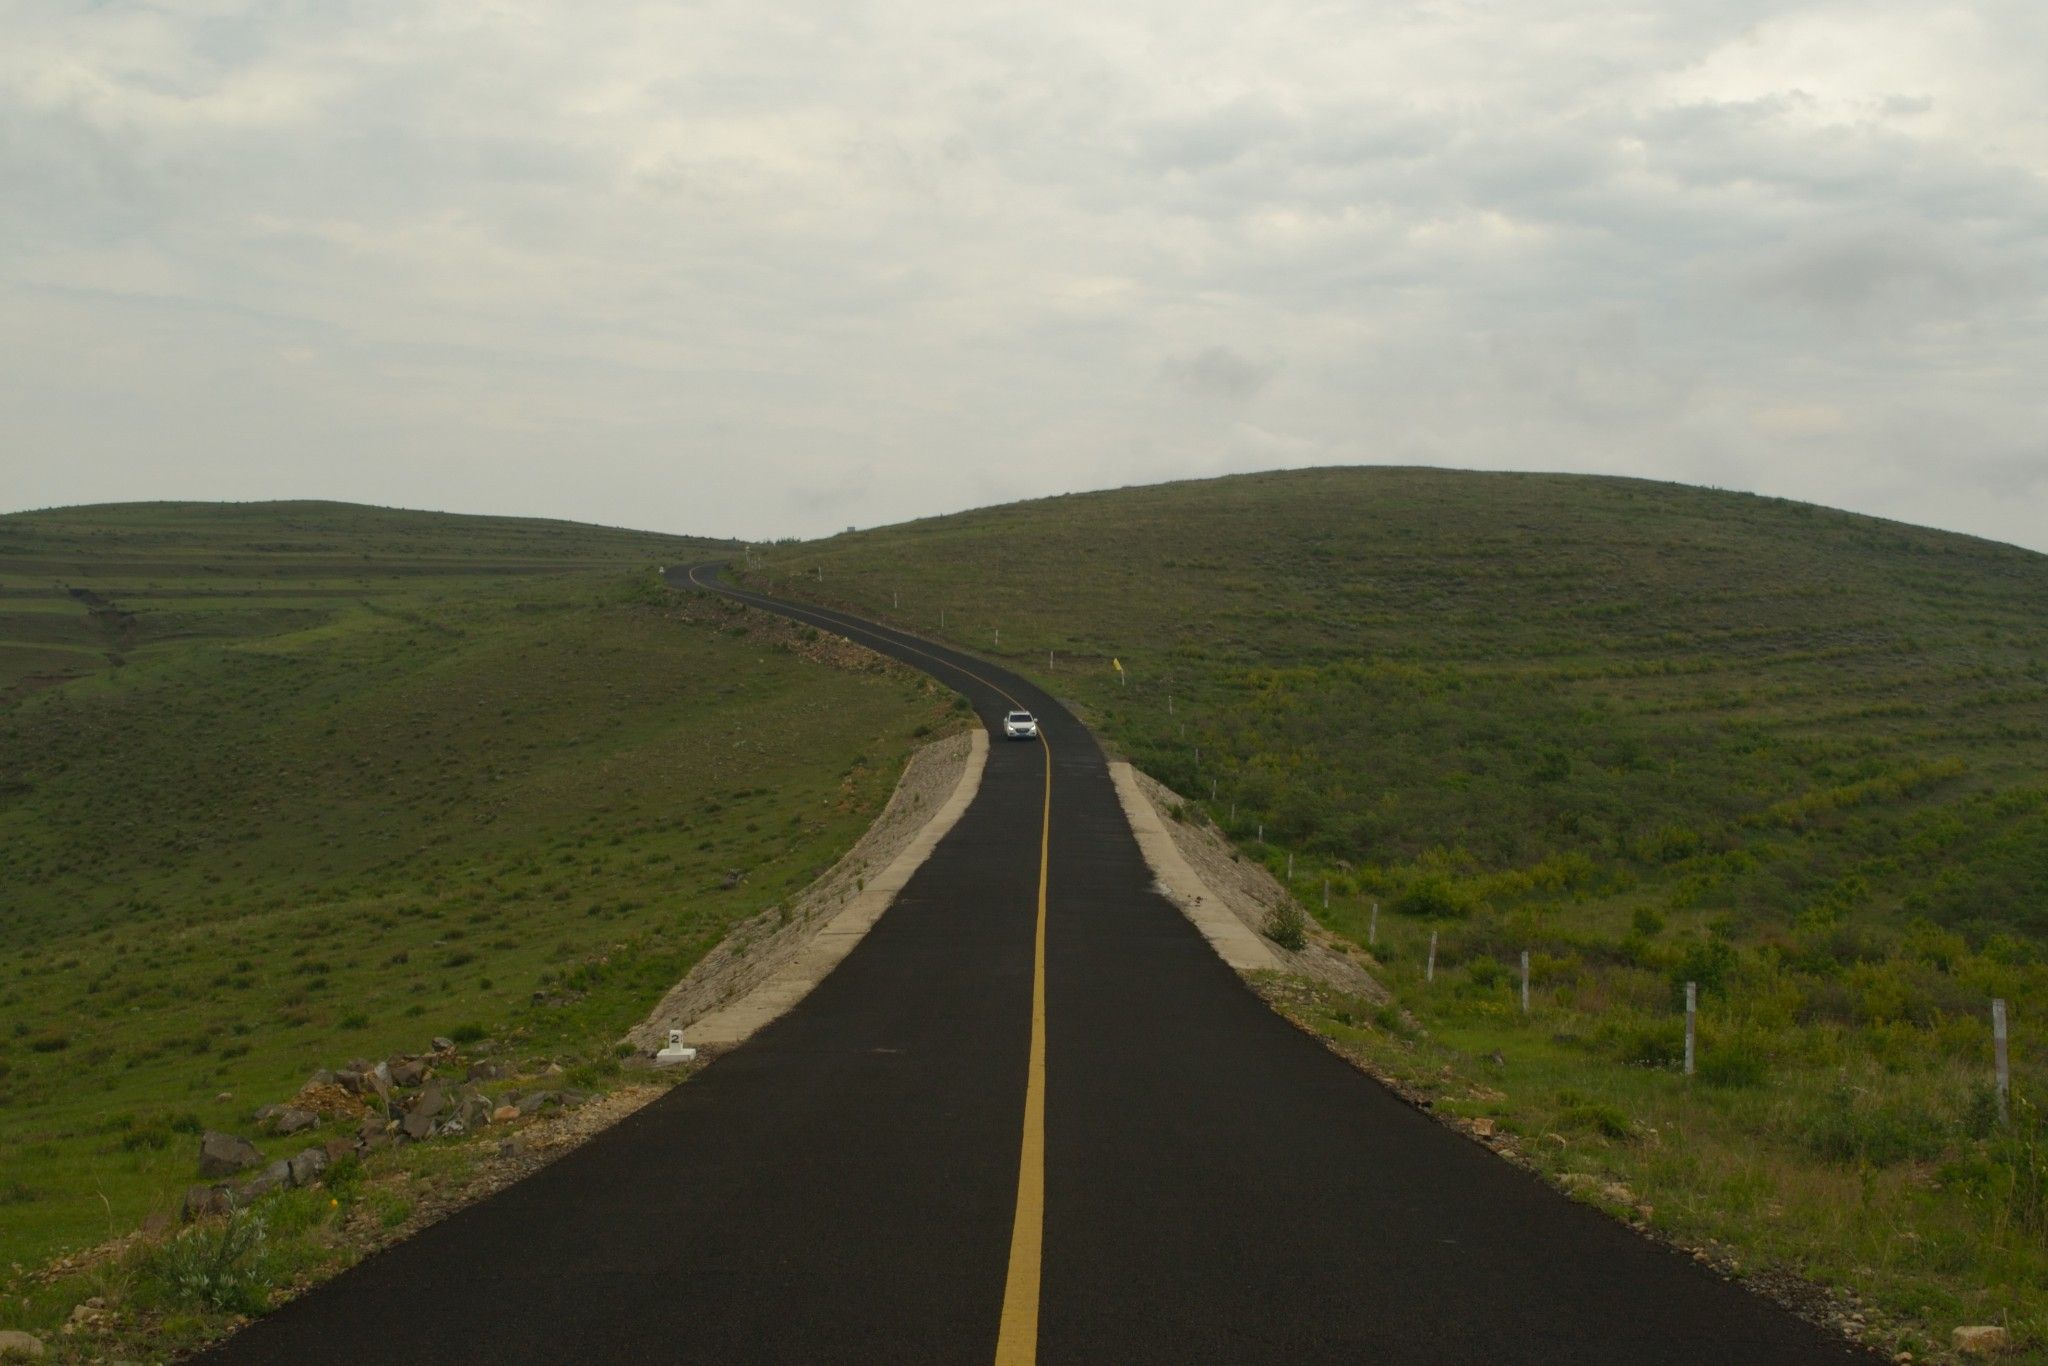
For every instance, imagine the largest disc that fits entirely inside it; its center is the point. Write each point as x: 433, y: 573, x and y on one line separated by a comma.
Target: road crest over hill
x: 1216, y: 1186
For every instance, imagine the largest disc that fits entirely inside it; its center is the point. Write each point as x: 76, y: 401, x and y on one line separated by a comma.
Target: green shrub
x: 1433, y: 894
x: 1739, y: 1063
x: 1596, y: 1117
x: 1643, y: 1042
x: 213, y: 1266
x: 466, y: 1033
x: 1850, y: 1125
x: 1288, y: 927
x: 1709, y: 962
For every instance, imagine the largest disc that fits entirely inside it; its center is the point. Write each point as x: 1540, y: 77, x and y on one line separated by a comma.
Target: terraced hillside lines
x: 1649, y: 734
x: 508, y: 804
x: 83, y: 589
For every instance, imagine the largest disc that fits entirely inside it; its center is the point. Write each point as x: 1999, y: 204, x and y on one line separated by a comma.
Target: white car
x: 1020, y: 725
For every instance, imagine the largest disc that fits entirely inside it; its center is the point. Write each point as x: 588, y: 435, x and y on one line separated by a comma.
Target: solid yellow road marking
x: 1017, y: 1335
x: 1017, y: 1341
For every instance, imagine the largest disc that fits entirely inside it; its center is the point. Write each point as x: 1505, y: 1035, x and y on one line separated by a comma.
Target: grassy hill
x: 285, y: 784
x: 1650, y: 734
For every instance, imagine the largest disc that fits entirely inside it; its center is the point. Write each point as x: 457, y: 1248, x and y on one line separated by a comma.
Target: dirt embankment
x: 1251, y: 894
x: 772, y: 953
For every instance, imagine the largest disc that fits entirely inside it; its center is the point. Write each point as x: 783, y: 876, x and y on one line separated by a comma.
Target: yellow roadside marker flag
x: 1117, y: 664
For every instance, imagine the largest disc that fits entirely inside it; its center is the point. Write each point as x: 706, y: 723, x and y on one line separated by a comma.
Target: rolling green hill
x: 285, y: 784
x: 1649, y: 734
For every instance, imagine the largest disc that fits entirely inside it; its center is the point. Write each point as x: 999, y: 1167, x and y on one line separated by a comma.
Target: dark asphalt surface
x: 1219, y: 1187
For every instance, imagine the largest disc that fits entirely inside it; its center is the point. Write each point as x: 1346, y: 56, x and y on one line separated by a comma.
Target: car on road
x: 1020, y: 725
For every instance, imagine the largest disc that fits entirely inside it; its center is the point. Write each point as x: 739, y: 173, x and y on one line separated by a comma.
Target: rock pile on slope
x: 403, y: 1099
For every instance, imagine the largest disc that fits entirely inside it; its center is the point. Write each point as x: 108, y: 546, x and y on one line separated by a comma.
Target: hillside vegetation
x: 327, y: 781
x: 1649, y: 734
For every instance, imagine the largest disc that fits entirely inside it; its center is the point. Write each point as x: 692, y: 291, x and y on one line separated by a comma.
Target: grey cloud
x: 1217, y: 372
x: 1852, y: 275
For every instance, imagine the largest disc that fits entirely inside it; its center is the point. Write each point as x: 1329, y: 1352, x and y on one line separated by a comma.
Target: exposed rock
x: 276, y: 1176
x: 443, y: 1044
x: 307, y: 1166
x: 504, y: 1114
x: 417, y: 1126
x: 407, y: 1072
x: 264, y: 1114
x: 553, y: 1069
x: 373, y: 1127
x: 1482, y: 1128
x: 572, y: 1100
x: 321, y: 1077
x: 338, y: 1148
x: 429, y: 1102
x: 291, y: 1120
x: 351, y: 1082
x: 224, y: 1154
x: 532, y: 1101
x: 19, y: 1346
x: 1981, y: 1340
x: 489, y: 1070
x: 472, y: 1110
x: 203, y: 1201
x: 454, y: 1128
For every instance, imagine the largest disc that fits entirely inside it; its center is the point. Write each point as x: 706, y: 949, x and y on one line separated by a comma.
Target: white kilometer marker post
x: 1525, y: 981
x: 1372, y: 928
x: 1290, y: 865
x: 1692, y: 1015
x: 1326, y: 894
x: 1998, y: 1056
x: 1429, y: 973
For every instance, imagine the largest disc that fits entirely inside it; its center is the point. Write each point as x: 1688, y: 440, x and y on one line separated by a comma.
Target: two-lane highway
x: 1030, y: 1117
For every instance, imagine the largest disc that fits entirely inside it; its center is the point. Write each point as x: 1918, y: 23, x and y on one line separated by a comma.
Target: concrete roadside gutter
x: 734, y: 1024
x: 1233, y: 941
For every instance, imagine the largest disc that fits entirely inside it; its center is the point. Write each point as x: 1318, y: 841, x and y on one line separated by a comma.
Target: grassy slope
x: 363, y: 778
x: 1650, y: 733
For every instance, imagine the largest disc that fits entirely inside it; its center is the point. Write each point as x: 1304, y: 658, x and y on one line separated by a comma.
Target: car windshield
x: 1020, y: 716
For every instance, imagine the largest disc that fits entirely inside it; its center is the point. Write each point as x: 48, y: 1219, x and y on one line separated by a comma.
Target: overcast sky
x: 752, y: 269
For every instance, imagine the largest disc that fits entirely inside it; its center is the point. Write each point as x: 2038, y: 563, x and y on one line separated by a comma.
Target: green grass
x: 1650, y: 734
x: 481, y: 778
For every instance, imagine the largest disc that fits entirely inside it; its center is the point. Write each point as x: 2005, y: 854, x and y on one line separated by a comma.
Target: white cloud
x: 737, y: 268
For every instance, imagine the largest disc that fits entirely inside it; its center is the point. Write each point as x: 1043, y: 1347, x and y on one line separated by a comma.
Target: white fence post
x: 1692, y: 1011
x: 1326, y: 894
x: 1429, y: 973
x: 1290, y: 865
x: 1372, y: 928
x: 1998, y: 1057
x: 1525, y: 981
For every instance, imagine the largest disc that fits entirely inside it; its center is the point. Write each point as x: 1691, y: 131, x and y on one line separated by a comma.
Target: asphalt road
x: 1216, y: 1187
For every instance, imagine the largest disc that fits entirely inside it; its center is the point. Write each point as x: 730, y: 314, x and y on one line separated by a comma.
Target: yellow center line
x: 1017, y: 1335
x: 1017, y: 1340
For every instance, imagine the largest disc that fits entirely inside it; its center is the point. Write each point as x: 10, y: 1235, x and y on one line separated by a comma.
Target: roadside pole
x: 1998, y: 1058
x: 1372, y: 928
x: 1429, y: 973
x: 1525, y: 981
x: 1692, y: 1014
